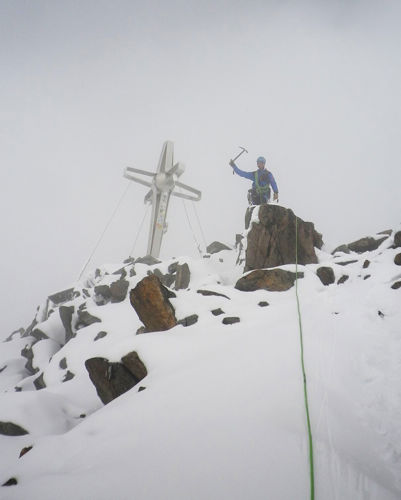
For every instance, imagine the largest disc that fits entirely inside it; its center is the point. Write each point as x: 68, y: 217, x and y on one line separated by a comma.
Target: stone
x: 25, y: 450
x: 230, y: 320
x: 271, y: 242
x: 100, y: 335
x: 113, y: 379
x: 20, y: 333
x: 183, y: 277
x: 135, y: 365
x: 367, y: 244
x: 341, y: 248
x: 366, y: 264
x: 63, y: 363
x: 367, y: 276
x: 396, y: 285
x: 2, y: 369
x: 217, y: 312
x: 11, y: 429
x: 122, y: 272
x: 346, y: 262
x: 273, y: 280
x: 150, y: 299
x: 62, y: 297
x: 397, y: 259
x: 119, y: 290
x: 263, y: 303
x: 166, y: 279
x: 148, y: 260
x: 39, y: 382
x: 189, y: 320
x: 68, y: 376
x: 172, y: 268
x: 389, y: 232
x: 343, y: 279
x: 397, y: 239
x: 38, y: 335
x: 209, y: 292
x: 10, y: 482
x: 216, y: 247
x: 102, y: 294
x: 326, y: 275
x: 66, y: 313
x: 85, y: 319
x: 27, y: 353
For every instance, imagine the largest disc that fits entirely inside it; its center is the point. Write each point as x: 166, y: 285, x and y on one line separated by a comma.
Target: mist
x: 91, y: 87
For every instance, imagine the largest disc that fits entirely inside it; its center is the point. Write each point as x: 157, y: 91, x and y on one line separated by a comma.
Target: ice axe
x: 238, y: 155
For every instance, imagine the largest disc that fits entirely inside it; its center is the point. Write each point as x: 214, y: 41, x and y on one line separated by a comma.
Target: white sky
x: 89, y: 87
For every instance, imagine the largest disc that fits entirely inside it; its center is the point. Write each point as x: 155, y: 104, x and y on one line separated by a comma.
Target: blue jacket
x: 251, y: 176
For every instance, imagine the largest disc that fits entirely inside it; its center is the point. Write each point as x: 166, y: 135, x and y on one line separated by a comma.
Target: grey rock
x: 102, y: 294
x: 366, y: 277
x: 38, y: 335
x: 397, y: 239
x: 341, y: 248
x: 183, y: 276
x: 189, y: 320
x: 20, y: 333
x: 2, y: 369
x: 66, y: 313
x: 11, y: 429
x: 100, y: 335
x: 217, y: 312
x: 119, y: 290
x: 230, y: 320
x: 68, y: 376
x: 389, y: 232
x: 397, y: 259
x: 396, y: 285
x: 148, y: 260
x: 263, y: 303
x: 366, y: 264
x: 27, y: 353
x: 216, y: 247
x: 343, y: 279
x: 110, y: 379
x: 63, y: 363
x: 39, y: 382
x: 326, y: 275
x: 62, y: 297
x: 166, y: 279
x: 347, y: 262
x: 209, y: 292
x: 172, y: 268
x: 367, y: 244
x: 122, y: 272
x: 85, y: 319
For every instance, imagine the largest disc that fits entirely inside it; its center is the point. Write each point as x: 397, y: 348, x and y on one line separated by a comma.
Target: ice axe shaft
x: 238, y: 155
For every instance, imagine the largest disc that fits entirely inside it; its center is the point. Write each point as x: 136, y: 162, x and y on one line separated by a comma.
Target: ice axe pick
x: 238, y: 155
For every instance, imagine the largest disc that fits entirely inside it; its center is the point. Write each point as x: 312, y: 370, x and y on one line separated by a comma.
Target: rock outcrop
x: 271, y: 242
x: 150, y: 299
x: 273, y: 280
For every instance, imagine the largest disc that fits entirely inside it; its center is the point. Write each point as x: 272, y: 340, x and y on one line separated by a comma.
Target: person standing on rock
x: 262, y: 180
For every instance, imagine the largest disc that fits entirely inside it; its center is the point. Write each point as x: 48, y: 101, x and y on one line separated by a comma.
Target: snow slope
x: 222, y: 416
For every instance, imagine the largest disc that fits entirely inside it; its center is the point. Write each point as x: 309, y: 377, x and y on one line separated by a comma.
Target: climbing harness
x: 262, y: 191
x: 104, y: 230
x: 311, y: 467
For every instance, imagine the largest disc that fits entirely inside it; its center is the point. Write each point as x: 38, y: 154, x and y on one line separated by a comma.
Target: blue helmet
x: 261, y: 159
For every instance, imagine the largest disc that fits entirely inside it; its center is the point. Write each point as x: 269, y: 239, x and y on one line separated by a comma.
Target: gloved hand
x: 275, y: 197
x: 231, y: 163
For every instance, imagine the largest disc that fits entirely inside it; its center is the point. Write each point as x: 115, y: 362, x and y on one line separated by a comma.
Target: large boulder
x: 216, y: 247
x: 111, y: 379
x: 150, y: 299
x: 272, y: 243
x: 274, y: 280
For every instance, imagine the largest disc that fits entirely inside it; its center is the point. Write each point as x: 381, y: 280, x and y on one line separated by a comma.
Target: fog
x: 90, y: 87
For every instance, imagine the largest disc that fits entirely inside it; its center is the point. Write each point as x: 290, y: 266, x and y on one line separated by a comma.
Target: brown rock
x: 150, y: 299
x: 397, y: 239
x: 274, y: 280
x: 25, y: 450
x: 367, y: 244
x: 397, y: 259
x: 271, y: 242
x: 135, y: 365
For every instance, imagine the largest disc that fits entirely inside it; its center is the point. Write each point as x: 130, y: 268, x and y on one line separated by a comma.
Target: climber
x: 262, y: 180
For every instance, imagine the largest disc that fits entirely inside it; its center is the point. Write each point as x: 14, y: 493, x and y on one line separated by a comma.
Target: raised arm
x: 241, y: 173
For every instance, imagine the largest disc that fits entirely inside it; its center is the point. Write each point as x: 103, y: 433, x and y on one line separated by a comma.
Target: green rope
x: 311, y: 468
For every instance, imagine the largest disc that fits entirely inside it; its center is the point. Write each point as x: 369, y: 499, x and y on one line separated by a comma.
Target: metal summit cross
x: 162, y: 187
